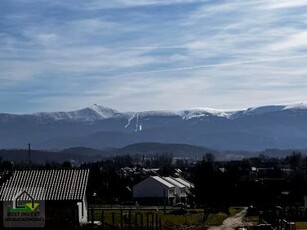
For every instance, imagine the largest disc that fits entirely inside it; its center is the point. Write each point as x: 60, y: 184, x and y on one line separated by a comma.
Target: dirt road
x: 232, y: 222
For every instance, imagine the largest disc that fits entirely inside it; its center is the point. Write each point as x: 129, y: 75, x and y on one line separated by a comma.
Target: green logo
x: 20, y: 206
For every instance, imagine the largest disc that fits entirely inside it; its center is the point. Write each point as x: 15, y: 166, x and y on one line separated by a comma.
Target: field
x: 176, y: 218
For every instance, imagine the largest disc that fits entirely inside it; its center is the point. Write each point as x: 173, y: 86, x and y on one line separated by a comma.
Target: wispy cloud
x: 137, y: 3
x: 135, y: 55
x: 292, y: 42
x: 278, y: 4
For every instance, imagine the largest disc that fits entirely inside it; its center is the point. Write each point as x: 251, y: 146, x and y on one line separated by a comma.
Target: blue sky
x: 135, y: 55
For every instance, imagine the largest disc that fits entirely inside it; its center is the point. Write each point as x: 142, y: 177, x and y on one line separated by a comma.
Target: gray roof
x: 46, y: 184
x: 162, y: 181
x: 174, y: 182
x: 184, y: 182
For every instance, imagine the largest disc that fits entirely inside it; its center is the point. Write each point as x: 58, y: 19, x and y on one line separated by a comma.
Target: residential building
x: 58, y: 195
x: 154, y: 190
x: 180, y: 190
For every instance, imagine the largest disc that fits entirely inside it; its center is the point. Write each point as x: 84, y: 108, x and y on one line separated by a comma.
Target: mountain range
x: 99, y: 127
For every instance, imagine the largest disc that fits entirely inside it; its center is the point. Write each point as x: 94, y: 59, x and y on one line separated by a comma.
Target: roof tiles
x: 46, y: 184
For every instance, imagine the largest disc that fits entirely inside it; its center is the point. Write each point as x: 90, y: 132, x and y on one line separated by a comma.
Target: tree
x: 209, y: 157
x: 295, y: 160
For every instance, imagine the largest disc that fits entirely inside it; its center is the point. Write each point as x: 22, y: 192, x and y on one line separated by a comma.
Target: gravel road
x: 233, y: 222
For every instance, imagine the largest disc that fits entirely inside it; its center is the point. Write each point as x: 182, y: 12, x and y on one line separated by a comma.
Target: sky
x: 136, y: 55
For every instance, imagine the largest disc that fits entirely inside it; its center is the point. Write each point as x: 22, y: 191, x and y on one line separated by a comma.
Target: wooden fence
x: 124, y: 219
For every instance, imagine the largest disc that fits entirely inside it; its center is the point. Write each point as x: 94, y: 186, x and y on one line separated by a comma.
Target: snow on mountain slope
x: 229, y: 114
x: 184, y: 114
x: 296, y: 106
x: 204, y: 112
x: 278, y: 126
x: 264, y: 109
x: 268, y: 109
x: 138, y: 118
x: 99, y: 112
x: 92, y: 113
x: 256, y: 111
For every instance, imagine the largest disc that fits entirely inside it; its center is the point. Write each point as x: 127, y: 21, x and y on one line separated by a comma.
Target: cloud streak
x: 142, y: 54
x: 279, y: 4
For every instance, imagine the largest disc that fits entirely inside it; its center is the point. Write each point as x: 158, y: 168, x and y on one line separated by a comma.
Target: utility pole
x: 29, y: 154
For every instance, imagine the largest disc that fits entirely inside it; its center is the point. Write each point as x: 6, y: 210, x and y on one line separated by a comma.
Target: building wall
x: 61, y: 213
x: 82, y: 211
x: 152, y: 188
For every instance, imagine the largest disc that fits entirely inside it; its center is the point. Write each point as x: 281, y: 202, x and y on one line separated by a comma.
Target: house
x: 180, y: 190
x: 50, y: 197
x: 154, y: 190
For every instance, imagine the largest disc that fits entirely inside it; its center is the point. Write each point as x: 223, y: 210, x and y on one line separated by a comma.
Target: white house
x: 154, y: 190
x: 180, y: 190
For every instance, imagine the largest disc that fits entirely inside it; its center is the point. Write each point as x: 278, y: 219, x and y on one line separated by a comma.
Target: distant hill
x: 83, y: 151
x: 42, y: 157
x: 178, y: 150
x: 84, y: 154
x: 78, y: 155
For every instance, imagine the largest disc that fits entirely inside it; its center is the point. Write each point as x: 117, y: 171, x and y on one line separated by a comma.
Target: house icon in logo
x: 24, y: 202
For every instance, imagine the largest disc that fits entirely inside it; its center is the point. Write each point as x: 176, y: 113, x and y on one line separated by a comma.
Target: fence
x: 125, y: 219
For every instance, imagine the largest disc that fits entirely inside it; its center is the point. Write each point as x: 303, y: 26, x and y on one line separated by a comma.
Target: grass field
x: 170, y: 220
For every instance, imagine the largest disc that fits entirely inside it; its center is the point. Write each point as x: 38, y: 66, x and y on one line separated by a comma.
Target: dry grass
x: 192, y: 219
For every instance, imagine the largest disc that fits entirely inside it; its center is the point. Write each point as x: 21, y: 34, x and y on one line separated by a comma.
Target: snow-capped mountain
x: 92, y: 113
x: 276, y: 126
